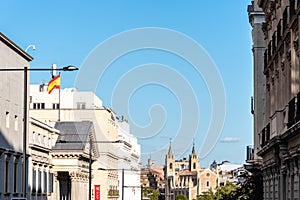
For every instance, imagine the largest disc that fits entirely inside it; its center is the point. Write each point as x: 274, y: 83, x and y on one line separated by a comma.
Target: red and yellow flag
x: 54, y: 84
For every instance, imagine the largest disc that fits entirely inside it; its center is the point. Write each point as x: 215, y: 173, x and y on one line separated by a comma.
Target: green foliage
x: 209, y: 195
x: 227, y: 192
x: 181, y: 197
x: 151, y: 193
x: 251, y: 189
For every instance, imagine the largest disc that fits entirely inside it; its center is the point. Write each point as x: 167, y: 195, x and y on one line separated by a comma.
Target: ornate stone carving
x: 278, y: 3
x: 264, y: 28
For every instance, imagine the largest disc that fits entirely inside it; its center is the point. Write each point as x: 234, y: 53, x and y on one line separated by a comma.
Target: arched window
x: 171, y: 165
x: 207, y: 184
x: 194, y: 165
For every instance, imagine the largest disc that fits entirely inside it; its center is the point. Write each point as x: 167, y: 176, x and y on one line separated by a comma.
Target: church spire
x: 193, y: 149
x: 170, y: 152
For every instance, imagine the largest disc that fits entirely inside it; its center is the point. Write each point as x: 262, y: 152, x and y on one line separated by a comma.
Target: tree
x: 151, y: 193
x: 181, y: 197
x: 227, y: 192
x: 251, y: 189
x: 209, y: 195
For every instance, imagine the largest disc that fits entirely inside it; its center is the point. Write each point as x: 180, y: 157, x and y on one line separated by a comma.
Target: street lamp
x: 122, y: 183
x: 32, y: 45
x: 25, y: 109
x: 90, y: 157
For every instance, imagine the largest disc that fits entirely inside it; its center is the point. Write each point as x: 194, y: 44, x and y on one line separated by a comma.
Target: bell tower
x: 170, y: 162
x: 194, y: 164
x: 169, y: 172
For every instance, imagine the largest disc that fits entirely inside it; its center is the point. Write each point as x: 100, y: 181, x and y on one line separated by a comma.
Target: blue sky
x: 67, y: 32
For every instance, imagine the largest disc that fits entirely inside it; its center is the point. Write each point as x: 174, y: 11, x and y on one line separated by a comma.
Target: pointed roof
x: 193, y: 149
x: 78, y: 132
x: 170, y: 152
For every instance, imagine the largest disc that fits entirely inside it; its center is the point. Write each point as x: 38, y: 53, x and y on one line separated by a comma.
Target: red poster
x: 97, y: 192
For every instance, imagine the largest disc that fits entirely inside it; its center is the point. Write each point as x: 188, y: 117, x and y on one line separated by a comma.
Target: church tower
x: 194, y: 164
x: 170, y: 162
x: 169, y: 173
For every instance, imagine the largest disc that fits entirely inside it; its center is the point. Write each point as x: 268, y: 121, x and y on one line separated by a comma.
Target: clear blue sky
x: 66, y: 32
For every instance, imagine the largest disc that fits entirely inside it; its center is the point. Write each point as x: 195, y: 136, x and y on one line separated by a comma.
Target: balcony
x: 294, y: 111
x: 113, y: 193
x: 265, y: 136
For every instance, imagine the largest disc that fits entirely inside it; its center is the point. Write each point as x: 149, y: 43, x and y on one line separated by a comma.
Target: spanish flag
x: 54, y: 84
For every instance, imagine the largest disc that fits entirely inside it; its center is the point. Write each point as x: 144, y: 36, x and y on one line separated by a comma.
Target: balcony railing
x: 113, y: 193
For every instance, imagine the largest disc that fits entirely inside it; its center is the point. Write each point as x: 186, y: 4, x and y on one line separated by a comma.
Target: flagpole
x: 59, y: 101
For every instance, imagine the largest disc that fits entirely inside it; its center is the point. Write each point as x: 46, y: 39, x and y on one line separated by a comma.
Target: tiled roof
x: 73, y: 135
x: 186, y: 172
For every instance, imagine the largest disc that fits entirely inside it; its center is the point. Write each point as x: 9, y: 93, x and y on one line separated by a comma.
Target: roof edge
x: 15, y: 47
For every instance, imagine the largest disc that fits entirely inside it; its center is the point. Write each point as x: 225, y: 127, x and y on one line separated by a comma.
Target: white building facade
x: 86, y: 106
x: 129, y: 160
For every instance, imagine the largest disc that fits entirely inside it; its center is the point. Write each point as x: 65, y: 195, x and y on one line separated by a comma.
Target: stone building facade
x: 41, y: 139
x: 187, y: 177
x: 11, y: 118
x: 278, y: 132
x: 71, y: 157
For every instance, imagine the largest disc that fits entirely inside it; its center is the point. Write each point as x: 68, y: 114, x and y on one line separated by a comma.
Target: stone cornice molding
x: 70, y: 155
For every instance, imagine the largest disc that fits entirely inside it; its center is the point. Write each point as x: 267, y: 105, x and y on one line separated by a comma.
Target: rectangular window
x: 49, y: 143
x: 55, y: 106
x: 16, y: 123
x: 7, y: 119
x: 292, y: 8
x: 45, y: 141
x: 38, y: 105
x: 279, y: 31
x: 81, y: 105
x: 33, y: 137
x: 39, y: 138
x: 285, y: 18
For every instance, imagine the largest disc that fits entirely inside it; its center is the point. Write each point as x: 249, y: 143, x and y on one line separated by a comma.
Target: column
x: 296, y: 185
x: 283, y: 184
x: 2, y: 167
x: 278, y: 179
x: 73, y: 185
x: 55, y: 186
x: 8, y: 174
x: 19, y: 175
x: 264, y: 184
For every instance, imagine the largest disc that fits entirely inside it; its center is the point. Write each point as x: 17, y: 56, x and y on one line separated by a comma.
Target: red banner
x: 97, y: 192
